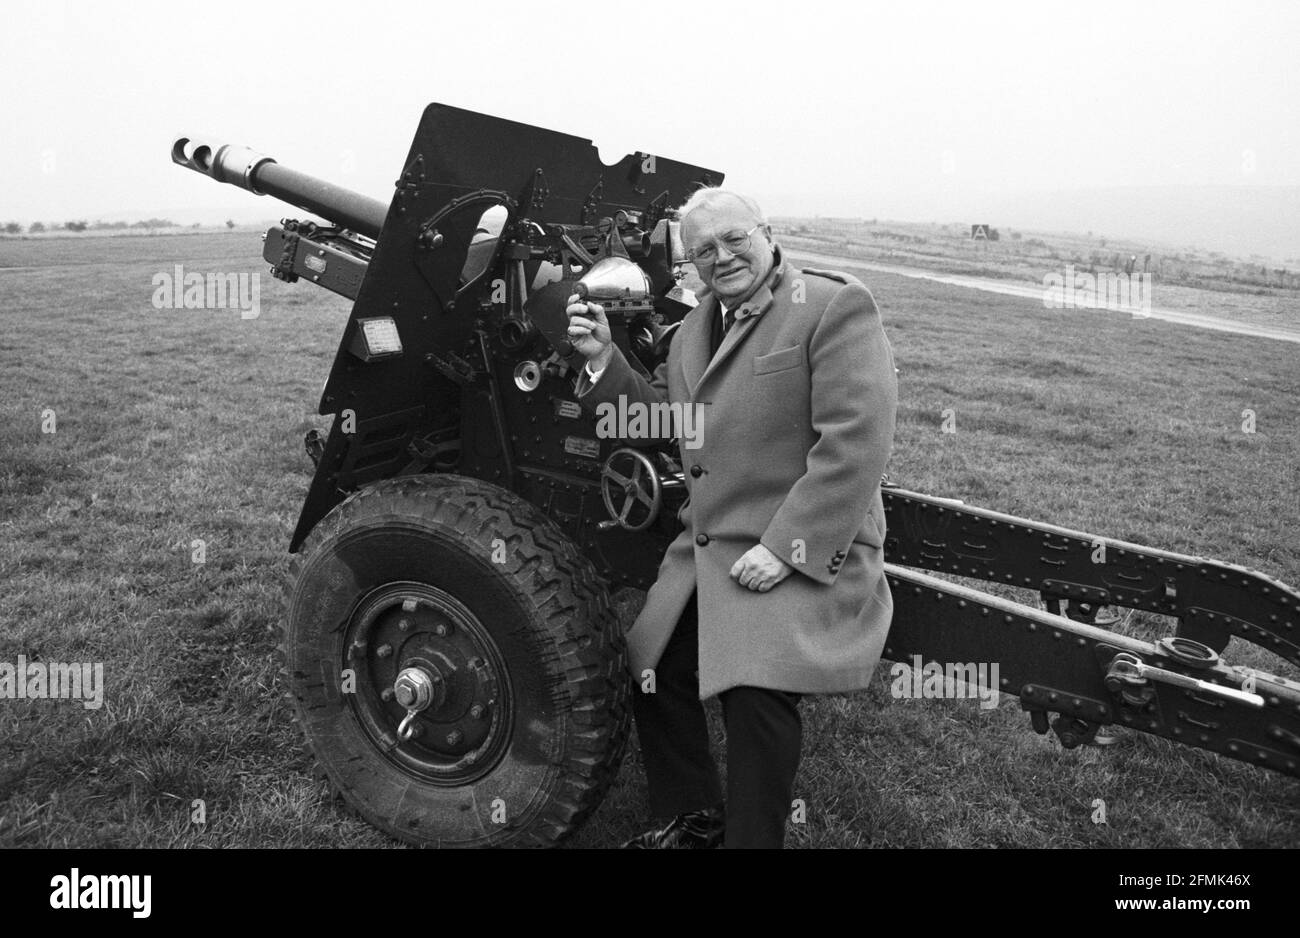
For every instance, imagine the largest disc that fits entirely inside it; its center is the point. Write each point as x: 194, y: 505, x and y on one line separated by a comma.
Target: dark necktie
x: 719, y: 330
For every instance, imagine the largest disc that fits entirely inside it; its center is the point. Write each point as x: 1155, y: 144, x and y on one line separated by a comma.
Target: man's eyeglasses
x: 735, y: 243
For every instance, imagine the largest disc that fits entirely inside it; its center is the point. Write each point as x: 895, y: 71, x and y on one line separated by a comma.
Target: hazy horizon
x: 1167, y: 122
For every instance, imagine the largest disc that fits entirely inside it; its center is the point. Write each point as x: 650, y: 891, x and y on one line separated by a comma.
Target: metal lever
x: 1126, y: 664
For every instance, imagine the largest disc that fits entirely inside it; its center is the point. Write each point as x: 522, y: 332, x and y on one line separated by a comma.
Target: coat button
x: 701, y: 539
x: 696, y: 471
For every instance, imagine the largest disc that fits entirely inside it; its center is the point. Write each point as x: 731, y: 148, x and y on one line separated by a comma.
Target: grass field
x: 178, y: 425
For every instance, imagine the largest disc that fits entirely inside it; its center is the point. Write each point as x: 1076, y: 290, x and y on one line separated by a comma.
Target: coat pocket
x: 779, y: 360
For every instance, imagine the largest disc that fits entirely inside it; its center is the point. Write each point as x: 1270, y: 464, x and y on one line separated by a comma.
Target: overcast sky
x: 904, y: 110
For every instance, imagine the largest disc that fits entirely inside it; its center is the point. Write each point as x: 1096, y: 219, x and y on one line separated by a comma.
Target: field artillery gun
x: 451, y: 651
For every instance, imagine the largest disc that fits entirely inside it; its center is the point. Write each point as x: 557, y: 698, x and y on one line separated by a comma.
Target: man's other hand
x: 760, y: 569
x: 589, y: 332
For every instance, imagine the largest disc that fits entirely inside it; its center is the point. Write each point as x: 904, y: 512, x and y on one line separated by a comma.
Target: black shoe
x: 696, y: 830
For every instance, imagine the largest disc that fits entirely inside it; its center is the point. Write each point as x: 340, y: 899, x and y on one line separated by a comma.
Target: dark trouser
x: 764, y: 734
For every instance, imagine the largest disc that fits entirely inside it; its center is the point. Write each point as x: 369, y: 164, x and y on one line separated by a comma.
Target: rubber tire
x: 548, y: 611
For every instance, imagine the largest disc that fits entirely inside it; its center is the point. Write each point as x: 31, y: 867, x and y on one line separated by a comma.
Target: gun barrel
x: 261, y: 175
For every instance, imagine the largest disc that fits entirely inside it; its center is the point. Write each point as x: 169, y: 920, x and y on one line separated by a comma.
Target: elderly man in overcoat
x: 776, y: 587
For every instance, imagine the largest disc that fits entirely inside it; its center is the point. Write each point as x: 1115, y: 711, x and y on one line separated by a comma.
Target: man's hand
x: 760, y: 569
x: 589, y: 332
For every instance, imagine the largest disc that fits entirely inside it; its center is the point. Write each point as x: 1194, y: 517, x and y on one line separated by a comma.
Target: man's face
x: 730, y: 276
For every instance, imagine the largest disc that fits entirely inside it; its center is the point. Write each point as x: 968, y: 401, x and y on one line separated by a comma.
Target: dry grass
x: 178, y: 425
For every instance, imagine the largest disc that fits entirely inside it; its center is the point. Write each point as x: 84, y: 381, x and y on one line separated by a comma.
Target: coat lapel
x: 746, y: 318
x: 695, y: 341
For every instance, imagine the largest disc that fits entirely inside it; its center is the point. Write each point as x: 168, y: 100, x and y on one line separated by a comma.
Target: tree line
x: 38, y: 227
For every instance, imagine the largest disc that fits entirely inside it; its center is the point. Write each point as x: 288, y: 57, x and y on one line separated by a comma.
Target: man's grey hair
x: 712, y: 196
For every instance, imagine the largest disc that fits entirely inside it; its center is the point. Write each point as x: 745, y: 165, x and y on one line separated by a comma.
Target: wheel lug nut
x: 384, y: 651
x: 387, y: 693
x: 403, y: 624
x: 441, y: 630
x: 453, y: 737
x: 476, y: 711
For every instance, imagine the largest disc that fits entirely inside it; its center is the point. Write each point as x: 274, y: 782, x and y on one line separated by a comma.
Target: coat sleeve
x: 621, y: 380
x: 854, y: 396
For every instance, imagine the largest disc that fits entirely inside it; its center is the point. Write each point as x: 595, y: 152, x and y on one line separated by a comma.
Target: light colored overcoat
x: 796, y: 420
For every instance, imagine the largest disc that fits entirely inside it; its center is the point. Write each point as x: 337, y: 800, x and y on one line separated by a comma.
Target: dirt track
x: 1029, y: 291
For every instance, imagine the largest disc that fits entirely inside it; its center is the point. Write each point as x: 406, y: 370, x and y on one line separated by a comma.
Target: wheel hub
x: 416, y: 689
x: 432, y: 687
